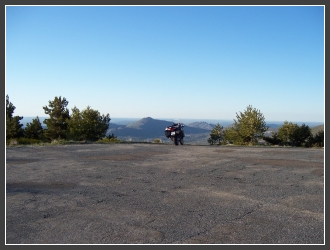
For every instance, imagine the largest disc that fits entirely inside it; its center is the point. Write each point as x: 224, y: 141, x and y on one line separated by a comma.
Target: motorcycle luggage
x: 167, y: 133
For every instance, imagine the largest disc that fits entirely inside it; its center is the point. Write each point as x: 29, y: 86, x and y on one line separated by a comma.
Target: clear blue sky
x: 203, y: 62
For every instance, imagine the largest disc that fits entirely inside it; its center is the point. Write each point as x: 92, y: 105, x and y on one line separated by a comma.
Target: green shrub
x: 22, y: 141
x: 28, y: 141
x: 157, y: 140
x: 59, y: 142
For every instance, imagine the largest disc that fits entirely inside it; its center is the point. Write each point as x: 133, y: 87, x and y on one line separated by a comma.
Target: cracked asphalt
x: 164, y: 194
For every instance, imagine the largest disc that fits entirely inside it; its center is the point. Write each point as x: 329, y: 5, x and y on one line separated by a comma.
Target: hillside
x: 202, y: 125
x: 317, y: 129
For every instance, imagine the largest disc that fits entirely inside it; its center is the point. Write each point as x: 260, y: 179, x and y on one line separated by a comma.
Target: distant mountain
x: 149, y: 124
x: 148, y: 129
x: 114, y: 126
x: 202, y: 125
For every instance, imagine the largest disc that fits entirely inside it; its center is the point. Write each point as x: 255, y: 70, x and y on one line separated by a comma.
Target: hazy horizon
x: 126, y: 120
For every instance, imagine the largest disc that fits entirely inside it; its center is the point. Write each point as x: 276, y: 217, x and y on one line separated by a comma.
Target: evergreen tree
x: 248, y: 128
x: 285, y: 133
x: 87, y: 124
x: 301, y: 135
x: 318, y: 139
x: 75, y: 128
x: 58, y: 117
x: 34, y: 130
x: 13, y: 126
x: 291, y: 134
x: 216, y: 135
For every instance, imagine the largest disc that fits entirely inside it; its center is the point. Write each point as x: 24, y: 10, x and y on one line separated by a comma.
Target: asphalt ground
x: 164, y: 194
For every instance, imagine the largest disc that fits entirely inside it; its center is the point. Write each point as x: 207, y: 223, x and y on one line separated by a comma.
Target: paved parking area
x: 164, y: 194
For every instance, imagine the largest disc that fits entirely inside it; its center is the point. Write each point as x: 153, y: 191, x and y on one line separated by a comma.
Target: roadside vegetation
x: 89, y: 126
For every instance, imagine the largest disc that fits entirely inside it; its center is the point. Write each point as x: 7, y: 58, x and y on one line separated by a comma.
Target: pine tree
x: 318, y: 139
x: 13, y: 126
x: 58, y: 118
x: 34, y: 130
x: 301, y: 135
x: 285, y: 132
x: 216, y: 135
x: 248, y: 128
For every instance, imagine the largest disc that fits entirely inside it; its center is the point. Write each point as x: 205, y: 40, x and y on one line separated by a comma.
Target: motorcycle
x: 175, y: 132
